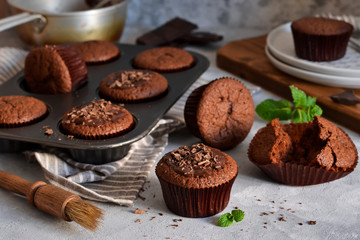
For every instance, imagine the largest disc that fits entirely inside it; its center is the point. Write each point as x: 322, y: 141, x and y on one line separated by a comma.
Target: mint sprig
x: 303, y: 108
x: 227, y: 219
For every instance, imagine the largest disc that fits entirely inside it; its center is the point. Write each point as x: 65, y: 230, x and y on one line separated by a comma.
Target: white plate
x: 324, y: 79
x: 281, y: 45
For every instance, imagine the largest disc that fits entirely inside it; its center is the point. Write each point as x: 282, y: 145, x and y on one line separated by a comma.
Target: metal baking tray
x: 146, y: 114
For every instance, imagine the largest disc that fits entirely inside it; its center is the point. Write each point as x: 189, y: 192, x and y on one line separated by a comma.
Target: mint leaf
x: 314, y: 111
x: 225, y: 220
x: 299, y: 97
x: 311, y: 101
x: 271, y: 109
x: 238, y: 215
x: 300, y: 116
x: 302, y: 110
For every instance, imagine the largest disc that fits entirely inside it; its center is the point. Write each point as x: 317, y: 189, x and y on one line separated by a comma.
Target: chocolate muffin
x: 196, y: 181
x: 303, y: 153
x: 164, y: 59
x: 320, y: 39
x: 220, y: 113
x: 54, y: 69
x: 17, y: 111
x: 97, y: 120
x: 133, y: 85
x: 97, y: 51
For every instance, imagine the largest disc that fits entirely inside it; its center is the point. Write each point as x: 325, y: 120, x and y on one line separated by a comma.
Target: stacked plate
x: 344, y: 72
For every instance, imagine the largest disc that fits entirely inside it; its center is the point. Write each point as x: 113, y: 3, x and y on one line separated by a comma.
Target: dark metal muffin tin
x: 146, y: 114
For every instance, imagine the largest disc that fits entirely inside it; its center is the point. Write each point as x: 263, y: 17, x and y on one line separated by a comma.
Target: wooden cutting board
x: 246, y: 58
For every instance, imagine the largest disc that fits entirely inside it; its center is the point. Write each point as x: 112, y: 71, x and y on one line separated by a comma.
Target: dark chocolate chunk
x: 170, y: 31
x: 201, y: 37
x: 346, y: 98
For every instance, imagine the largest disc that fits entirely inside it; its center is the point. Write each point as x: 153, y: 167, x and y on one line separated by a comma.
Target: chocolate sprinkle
x: 129, y: 79
x: 196, y: 160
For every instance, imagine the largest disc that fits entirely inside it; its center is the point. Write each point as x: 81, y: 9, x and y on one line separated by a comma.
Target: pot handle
x: 18, y: 19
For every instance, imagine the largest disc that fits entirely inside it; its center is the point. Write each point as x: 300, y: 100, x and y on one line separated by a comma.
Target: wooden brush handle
x: 46, y: 197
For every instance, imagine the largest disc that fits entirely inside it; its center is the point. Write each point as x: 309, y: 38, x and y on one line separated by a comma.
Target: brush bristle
x: 83, y: 213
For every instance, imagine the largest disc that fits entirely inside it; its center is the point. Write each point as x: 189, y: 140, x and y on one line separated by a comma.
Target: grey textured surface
x: 263, y: 14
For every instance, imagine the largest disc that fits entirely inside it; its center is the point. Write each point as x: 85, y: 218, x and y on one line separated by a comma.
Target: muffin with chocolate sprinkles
x: 133, y: 85
x: 97, y: 120
x: 196, y: 181
x: 53, y: 69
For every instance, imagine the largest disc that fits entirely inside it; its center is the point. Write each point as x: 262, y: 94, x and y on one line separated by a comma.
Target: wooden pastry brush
x: 53, y: 200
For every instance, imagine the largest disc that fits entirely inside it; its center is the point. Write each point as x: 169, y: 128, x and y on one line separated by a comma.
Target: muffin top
x: 20, y: 110
x: 164, y: 59
x: 128, y: 85
x: 97, y: 51
x: 318, y: 143
x: 197, y: 166
x: 98, y: 119
x: 321, y: 26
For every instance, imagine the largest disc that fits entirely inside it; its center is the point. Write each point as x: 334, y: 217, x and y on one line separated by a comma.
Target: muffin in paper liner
x: 303, y: 154
x: 196, y: 181
x: 320, y: 39
x: 220, y: 113
x: 196, y: 203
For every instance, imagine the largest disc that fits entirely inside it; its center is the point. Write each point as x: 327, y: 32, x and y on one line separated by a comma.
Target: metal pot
x: 62, y: 21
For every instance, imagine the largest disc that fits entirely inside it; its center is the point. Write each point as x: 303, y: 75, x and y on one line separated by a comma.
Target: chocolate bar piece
x: 346, y: 98
x: 170, y: 31
x: 201, y: 37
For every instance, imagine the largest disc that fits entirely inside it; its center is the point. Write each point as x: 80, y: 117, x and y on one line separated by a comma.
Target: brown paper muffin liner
x: 190, y: 110
x: 320, y: 48
x: 300, y: 175
x: 196, y: 203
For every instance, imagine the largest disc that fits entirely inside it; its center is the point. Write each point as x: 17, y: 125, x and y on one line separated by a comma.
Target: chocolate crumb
x: 161, y: 214
x: 265, y: 222
x: 273, y: 201
x: 142, y: 189
x: 259, y: 200
x: 301, y: 224
x: 138, y: 211
x: 236, y: 207
x: 285, y: 200
x: 154, y: 196
x: 288, y: 209
x: 138, y: 220
x: 71, y: 137
x: 264, y: 213
x: 300, y: 202
x: 175, y: 220
x: 180, y: 220
x: 265, y: 227
x: 311, y: 222
x: 282, y: 215
x: 141, y: 197
x: 49, y: 131
x: 281, y: 207
x: 174, y: 225
x: 153, y: 218
x: 272, y: 212
x: 293, y: 211
x: 282, y: 219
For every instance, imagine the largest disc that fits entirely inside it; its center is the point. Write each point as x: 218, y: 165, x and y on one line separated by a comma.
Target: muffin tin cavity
x: 146, y: 113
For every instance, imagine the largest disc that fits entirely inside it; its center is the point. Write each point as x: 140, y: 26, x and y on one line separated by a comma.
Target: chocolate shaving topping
x: 127, y: 79
x: 346, y: 98
x: 197, y: 160
x: 94, y: 113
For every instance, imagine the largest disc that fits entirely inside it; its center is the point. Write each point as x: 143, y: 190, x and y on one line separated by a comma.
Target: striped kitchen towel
x: 119, y: 181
